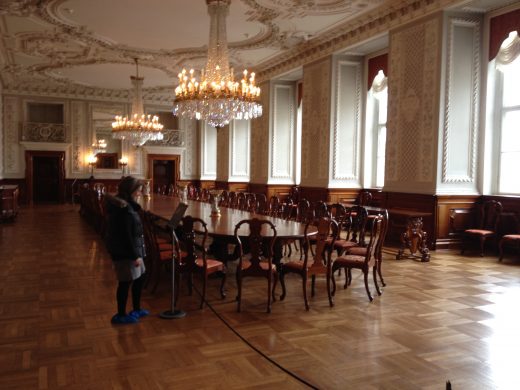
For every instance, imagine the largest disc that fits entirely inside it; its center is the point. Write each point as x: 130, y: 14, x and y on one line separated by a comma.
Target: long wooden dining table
x: 222, y: 228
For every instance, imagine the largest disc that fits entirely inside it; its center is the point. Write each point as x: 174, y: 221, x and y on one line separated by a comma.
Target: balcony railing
x: 43, y: 132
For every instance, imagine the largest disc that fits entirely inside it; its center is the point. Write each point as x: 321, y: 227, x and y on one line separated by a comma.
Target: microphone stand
x: 173, y: 313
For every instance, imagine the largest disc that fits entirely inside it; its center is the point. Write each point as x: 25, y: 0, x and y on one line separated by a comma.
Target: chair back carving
x: 193, y: 242
x: 358, y: 221
x: 375, y: 243
x: 286, y: 209
x: 325, y: 237
x: 320, y: 210
x: 260, y: 248
x: 303, y: 211
x: 294, y: 194
x: 488, y: 215
x: 274, y: 206
x: 251, y: 205
x: 224, y: 199
x: 338, y: 212
x: 261, y: 204
x: 241, y: 201
x: 365, y: 198
x: 232, y: 200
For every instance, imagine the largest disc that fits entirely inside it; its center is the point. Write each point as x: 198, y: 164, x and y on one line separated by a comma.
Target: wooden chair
x: 320, y: 264
x: 364, y: 263
x: 512, y: 239
x: 488, y: 219
x: 261, y: 204
x: 241, y: 201
x: 251, y: 203
x: 224, y: 199
x: 365, y: 198
x: 232, y: 200
x: 274, y: 206
x: 159, y: 251
x: 353, y: 225
x: 362, y: 251
x: 303, y: 211
x: 259, y: 262
x: 319, y: 210
x: 196, y: 261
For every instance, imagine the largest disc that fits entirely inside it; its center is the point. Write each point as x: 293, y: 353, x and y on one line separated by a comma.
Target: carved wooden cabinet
x: 8, y: 202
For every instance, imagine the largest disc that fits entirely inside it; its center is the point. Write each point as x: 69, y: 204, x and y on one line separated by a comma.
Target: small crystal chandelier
x: 217, y: 98
x: 140, y: 127
x: 100, y: 146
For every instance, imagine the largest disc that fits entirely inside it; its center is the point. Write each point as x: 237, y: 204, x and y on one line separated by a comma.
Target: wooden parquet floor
x: 455, y: 318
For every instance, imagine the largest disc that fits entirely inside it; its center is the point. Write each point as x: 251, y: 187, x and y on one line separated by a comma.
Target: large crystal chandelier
x: 217, y: 98
x: 139, y: 128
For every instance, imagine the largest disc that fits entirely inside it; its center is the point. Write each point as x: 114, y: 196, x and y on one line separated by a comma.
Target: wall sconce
x: 123, y: 161
x: 91, y: 161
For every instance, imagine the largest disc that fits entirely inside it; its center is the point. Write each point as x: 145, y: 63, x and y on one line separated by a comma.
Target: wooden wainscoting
x: 257, y: 188
x: 343, y: 195
x: 454, y: 214
x: 238, y: 187
x: 314, y: 194
x: 209, y: 184
x: 280, y: 190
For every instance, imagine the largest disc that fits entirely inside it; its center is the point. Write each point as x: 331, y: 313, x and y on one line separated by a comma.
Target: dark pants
x: 122, y: 294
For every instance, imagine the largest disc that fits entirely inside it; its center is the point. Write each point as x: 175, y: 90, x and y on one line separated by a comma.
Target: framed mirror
x: 107, y: 150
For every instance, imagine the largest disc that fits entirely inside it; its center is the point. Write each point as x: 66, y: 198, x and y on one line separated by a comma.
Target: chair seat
x: 357, y: 251
x: 167, y: 255
x: 343, y: 244
x: 165, y: 246
x: 162, y: 240
x: 511, y: 237
x: 296, y: 265
x: 212, y: 264
x: 480, y: 232
x: 350, y: 261
x: 264, y: 265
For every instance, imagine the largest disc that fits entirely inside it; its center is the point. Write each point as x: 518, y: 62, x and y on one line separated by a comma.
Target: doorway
x: 45, y: 174
x: 164, y: 170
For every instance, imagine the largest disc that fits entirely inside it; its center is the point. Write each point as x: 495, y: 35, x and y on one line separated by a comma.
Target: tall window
x: 378, y: 99
x: 508, y: 114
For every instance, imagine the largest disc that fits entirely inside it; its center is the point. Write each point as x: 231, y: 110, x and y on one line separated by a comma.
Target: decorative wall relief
x: 260, y: 140
x: 191, y: 143
x: 12, y: 120
x: 316, y: 123
x: 43, y: 132
x: 222, y: 154
x: 413, y: 104
x: 461, y: 101
x: 79, y: 135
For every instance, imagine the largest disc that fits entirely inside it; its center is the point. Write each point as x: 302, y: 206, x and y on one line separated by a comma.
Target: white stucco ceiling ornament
x: 17, y: 7
x: 271, y: 36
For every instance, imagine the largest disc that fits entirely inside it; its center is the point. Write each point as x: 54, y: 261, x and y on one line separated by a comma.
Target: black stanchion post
x: 173, y: 313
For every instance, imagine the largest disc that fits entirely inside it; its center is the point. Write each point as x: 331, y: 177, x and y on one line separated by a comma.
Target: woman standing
x: 125, y: 243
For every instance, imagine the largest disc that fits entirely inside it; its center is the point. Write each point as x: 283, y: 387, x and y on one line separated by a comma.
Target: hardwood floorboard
x: 453, y: 318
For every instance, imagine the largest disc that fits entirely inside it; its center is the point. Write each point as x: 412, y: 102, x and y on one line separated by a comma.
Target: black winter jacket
x: 124, y: 239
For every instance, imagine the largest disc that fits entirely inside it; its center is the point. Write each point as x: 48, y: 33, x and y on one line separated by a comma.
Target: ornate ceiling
x: 92, y: 44
x: 87, y: 47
